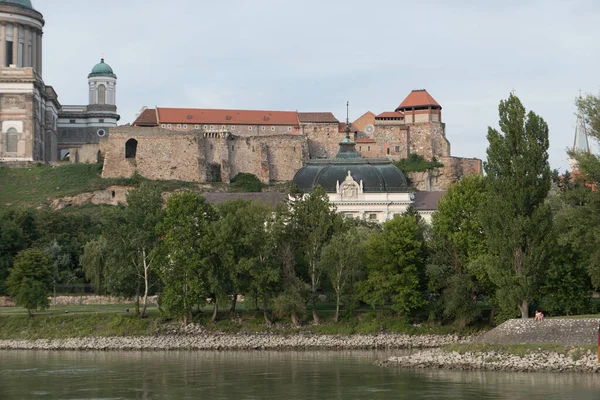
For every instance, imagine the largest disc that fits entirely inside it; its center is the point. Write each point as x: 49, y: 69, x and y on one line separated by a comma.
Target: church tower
x: 28, y: 107
x: 580, y: 143
x: 102, y: 82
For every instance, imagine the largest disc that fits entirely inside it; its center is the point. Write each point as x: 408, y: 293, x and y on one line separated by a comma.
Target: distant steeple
x: 347, y: 145
x: 580, y: 143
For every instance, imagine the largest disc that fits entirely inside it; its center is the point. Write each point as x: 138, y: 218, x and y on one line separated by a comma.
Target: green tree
x: 131, y: 235
x: 94, y: 260
x: 315, y: 220
x: 458, y: 241
x: 239, y: 237
x: 395, y: 262
x: 516, y: 219
x: 182, y: 253
x: 30, y: 280
x: 11, y: 242
x: 343, y: 260
x: 244, y: 182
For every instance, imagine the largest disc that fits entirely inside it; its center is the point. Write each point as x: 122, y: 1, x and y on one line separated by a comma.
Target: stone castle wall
x: 198, y: 157
x: 323, y: 139
x: 442, y: 178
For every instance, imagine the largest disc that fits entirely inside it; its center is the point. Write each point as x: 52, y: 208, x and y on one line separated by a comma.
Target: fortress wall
x: 323, y: 139
x: 161, y: 154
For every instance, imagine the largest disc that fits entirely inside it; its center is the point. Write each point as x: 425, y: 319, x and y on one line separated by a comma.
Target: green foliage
x: 416, y: 163
x: 11, y: 242
x: 395, y: 266
x: 458, y: 241
x: 30, y: 280
x: 94, y: 260
x: 315, y: 221
x: 182, y: 253
x: 244, y: 182
x: 131, y: 236
x: 516, y: 219
x: 343, y: 260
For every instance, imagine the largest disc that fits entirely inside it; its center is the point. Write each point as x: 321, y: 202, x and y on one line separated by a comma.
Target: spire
x: 580, y: 143
x: 347, y: 145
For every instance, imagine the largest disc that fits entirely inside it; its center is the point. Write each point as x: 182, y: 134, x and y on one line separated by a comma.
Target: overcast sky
x: 313, y: 55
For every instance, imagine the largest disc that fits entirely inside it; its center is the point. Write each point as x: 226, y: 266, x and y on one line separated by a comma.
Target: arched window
x: 12, y: 140
x: 101, y: 94
x: 131, y: 148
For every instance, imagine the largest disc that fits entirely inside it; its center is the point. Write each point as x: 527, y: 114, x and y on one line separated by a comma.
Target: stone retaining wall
x: 561, y: 331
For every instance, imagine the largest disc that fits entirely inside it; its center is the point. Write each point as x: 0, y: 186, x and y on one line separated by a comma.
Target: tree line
x: 518, y: 238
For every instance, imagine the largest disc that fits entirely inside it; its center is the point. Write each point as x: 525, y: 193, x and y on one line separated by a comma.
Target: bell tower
x: 102, y: 83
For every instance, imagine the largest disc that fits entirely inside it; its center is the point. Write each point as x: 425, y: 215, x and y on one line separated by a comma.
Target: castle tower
x: 28, y: 108
x: 102, y: 82
x: 420, y: 107
x: 580, y: 143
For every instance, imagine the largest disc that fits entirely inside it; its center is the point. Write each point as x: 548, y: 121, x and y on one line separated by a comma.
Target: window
x: 184, y: 126
x: 368, y: 148
x: 178, y: 126
x: 101, y: 132
x: 232, y: 147
x: 387, y: 151
x: 372, y: 216
x: 211, y: 146
x: 359, y: 148
x: 233, y: 127
x: 397, y: 149
x: 131, y: 148
x: 196, y: 126
x: 249, y: 128
x: 263, y: 128
x: 315, y: 129
x: 163, y: 126
x: 12, y: 140
x: 205, y: 127
x: 169, y: 126
x: 101, y: 120
x: 272, y: 128
x: 349, y: 216
x: 72, y: 121
x: 289, y: 128
x: 222, y: 126
x: 101, y: 94
x: 253, y: 149
x: 212, y: 127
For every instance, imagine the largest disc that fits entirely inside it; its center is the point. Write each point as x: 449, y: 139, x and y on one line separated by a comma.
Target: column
x: 2, y: 44
x: 34, y: 37
x: 26, y: 37
x: 40, y: 53
x: 15, y: 58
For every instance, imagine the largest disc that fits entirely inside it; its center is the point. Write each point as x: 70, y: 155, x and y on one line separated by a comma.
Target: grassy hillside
x: 37, y: 186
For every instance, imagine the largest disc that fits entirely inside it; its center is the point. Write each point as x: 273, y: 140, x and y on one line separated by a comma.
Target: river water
x: 264, y: 375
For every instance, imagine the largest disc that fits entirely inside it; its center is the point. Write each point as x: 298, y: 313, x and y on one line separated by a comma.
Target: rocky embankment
x: 556, y: 331
x: 247, y: 341
x: 577, y: 360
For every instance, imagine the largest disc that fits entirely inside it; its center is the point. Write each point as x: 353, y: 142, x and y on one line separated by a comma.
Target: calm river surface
x: 263, y: 375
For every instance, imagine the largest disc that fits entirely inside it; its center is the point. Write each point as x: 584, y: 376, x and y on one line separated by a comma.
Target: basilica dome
x: 20, y: 3
x: 376, y: 175
x: 102, y: 69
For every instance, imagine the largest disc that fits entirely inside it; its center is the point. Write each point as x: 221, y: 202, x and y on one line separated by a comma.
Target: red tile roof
x: 418, y: 98
x: 317, y: 117
x: 226, y: 117
x: 342, y: 127
x: 365, y: 140
x: 390, y: 114
x: 146, y: 118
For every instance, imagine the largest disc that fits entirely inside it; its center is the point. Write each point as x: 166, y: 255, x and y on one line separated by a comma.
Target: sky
x: 314, y: 55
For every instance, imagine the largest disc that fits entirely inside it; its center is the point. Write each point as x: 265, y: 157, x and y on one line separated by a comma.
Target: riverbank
x: 576, y: 359
x: 240, y: 341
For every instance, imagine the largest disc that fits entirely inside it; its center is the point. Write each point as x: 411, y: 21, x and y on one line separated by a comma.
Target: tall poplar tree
x: 516, y: 219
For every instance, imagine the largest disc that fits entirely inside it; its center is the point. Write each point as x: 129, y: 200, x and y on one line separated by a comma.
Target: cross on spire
x: 579, y: 93
x: 513, y: 92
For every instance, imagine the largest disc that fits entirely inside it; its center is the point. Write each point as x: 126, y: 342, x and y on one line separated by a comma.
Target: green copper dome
x: 102, y: 69
x: 20, y: 3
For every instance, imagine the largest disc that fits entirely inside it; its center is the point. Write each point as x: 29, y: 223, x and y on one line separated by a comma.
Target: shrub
x: 30, y: 280
x: 244, y: 182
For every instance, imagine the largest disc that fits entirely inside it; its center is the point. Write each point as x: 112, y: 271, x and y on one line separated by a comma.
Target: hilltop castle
x: 193, y: 144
